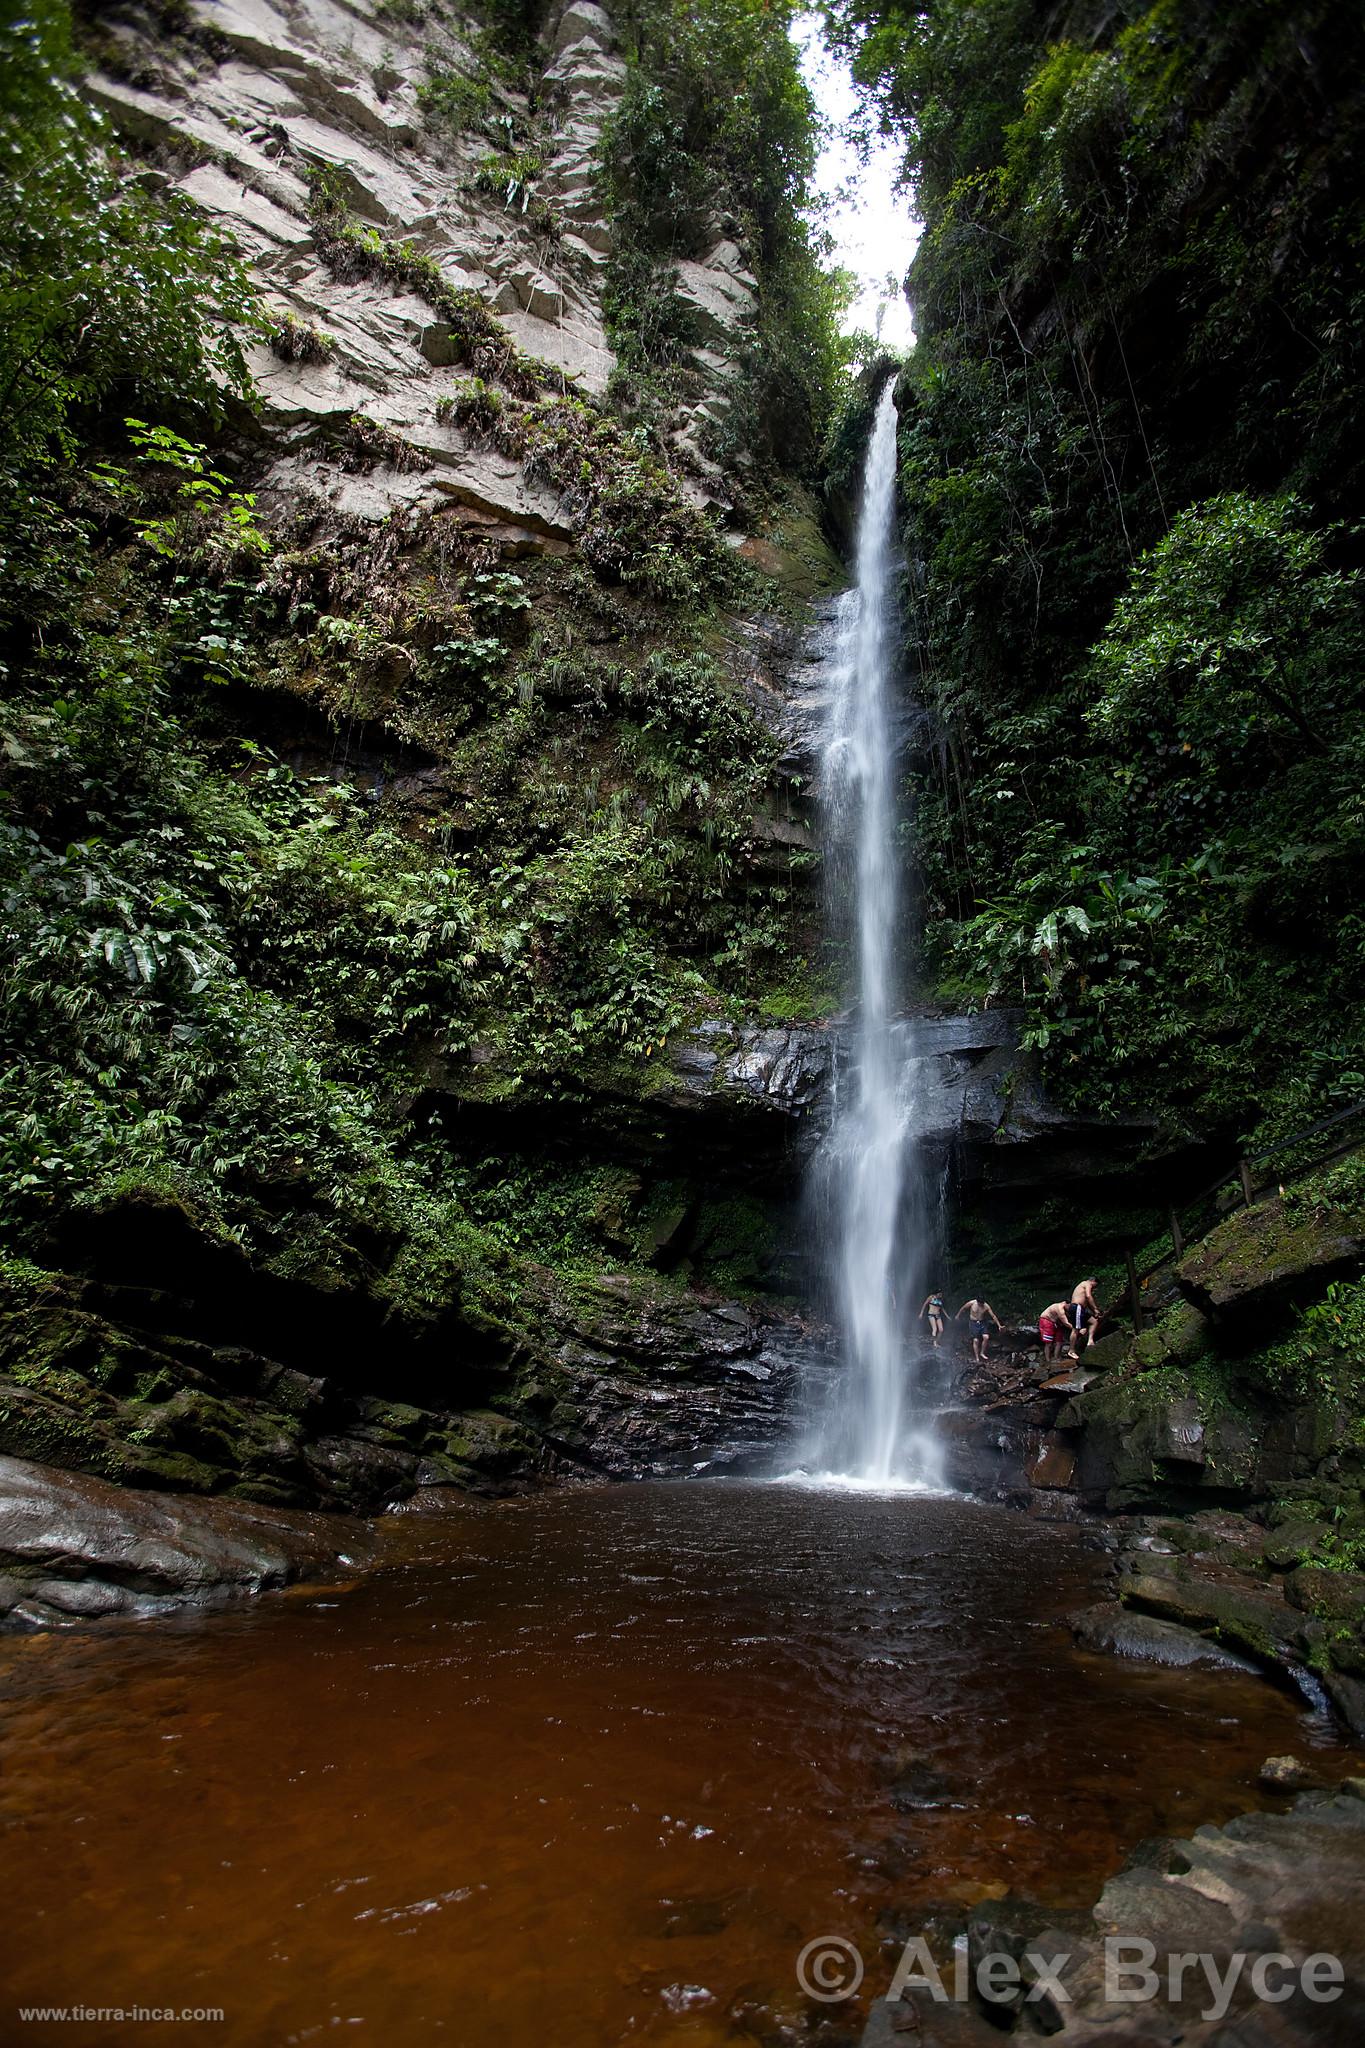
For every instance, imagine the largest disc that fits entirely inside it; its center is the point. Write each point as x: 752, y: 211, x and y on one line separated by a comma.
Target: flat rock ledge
x: 1288, y: 1886
x: 74, y: 1549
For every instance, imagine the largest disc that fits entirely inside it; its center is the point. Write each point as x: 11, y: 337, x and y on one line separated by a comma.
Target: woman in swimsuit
x: 934, y: 1309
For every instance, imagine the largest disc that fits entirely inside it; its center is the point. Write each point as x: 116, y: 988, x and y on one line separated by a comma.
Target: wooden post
x: 1177, y: 1234
x: 1245, y: 1171
x: 1134, y: 1292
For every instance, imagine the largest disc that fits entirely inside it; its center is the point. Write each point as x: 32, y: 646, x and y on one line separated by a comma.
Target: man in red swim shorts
x: 1052, y: 1330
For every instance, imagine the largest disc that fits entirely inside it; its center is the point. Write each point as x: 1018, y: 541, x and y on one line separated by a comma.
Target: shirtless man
x: 1052, y: 1328
x: 933, y: 1308
x: 1083, y: 1314
x: 981, y: 1336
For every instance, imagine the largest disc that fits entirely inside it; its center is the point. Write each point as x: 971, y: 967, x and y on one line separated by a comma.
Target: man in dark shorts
x: 978, y: 1311
x: 1083, y: 1314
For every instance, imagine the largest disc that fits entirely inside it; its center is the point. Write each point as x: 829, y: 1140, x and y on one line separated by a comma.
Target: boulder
x: 1120, y: 1633
x: 1333, y: 1595
x: 1230, y: 1609
x: 75, y: 1549
x: 582, y: 21
x: 1280, y: 1885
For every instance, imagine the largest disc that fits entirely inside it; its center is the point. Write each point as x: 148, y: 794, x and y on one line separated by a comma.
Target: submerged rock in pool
x: 75, y: 1549
x: 1289, y: 1774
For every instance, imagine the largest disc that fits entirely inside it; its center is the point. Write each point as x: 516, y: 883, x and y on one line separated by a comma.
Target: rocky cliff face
x: 274, y: 120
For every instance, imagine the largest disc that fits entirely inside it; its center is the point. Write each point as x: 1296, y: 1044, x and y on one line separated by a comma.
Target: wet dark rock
x: 649, y: 1381
x: 76, y: 1549
x: 915, y: 1784
x: 1293, y: 1542
x: 998, y: 1433
x: 1234, y: 1611
x: 1142, y: 1445
x: 917, y: 2017
x: 1210, y: 1577
x: 1347, y: 1695
x: 1335, y: 1596
x: 620, y: 1375
x: 781, y: 1070
x: 1266, y: 1882
x: 1034, y: 1939
x: 1120, y: 1633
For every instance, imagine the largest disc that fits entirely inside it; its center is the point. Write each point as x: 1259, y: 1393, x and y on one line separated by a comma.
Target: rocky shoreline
x: 1288, y: 1886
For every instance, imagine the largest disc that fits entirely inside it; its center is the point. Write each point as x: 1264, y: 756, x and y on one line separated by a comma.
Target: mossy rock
x: 55, y: 1337
x: 1313, y: 1500
x: 792, y: 549
x: 1331, y: 1596
x: 144, y: 1465
x: 1265, y: 1258
x: 1292, y: 1543
x: 1244, y: 1618
x: 49, y: 1433
x: 271, y: 1491
x: 394, y: 1422
x: 1106, y: 1354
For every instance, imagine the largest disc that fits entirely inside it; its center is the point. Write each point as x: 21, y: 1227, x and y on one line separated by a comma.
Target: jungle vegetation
x: 307, y: 830
x: 1131, y: 465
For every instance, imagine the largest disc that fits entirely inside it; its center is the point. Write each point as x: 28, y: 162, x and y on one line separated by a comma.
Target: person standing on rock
x: 933, y: 1307
x: 981, y: 1336
x: 1052, y: 1328
x: 1083, y: 1314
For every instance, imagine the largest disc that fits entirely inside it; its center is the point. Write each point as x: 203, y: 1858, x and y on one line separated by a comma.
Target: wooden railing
x: 1243, y: 1175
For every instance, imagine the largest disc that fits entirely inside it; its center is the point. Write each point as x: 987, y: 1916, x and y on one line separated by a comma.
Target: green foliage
x: 103, y: 286
x: 298, y: 341
x: 1132, y: 475
x: 1324, y: 1351
x: 208, y: 519
x: 689, y: 157
x: 239, y: 984
x: 223, y: 979
x: 510, y: 176
x: 1233, y: 643
x: 452, y: 101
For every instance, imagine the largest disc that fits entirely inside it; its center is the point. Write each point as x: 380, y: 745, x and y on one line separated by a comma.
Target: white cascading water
x: 872, y: 1204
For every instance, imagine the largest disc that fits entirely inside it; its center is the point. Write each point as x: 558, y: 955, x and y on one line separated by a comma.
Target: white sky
x: 874, y: 234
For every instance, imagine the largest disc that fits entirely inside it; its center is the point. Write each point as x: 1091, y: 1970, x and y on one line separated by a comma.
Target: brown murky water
x: 587, y: 1769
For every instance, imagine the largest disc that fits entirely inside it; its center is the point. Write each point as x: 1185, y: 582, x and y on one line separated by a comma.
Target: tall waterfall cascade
x: 872, y: 1204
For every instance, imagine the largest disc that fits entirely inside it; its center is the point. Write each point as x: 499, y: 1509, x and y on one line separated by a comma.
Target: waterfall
x: 872, y: 1200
